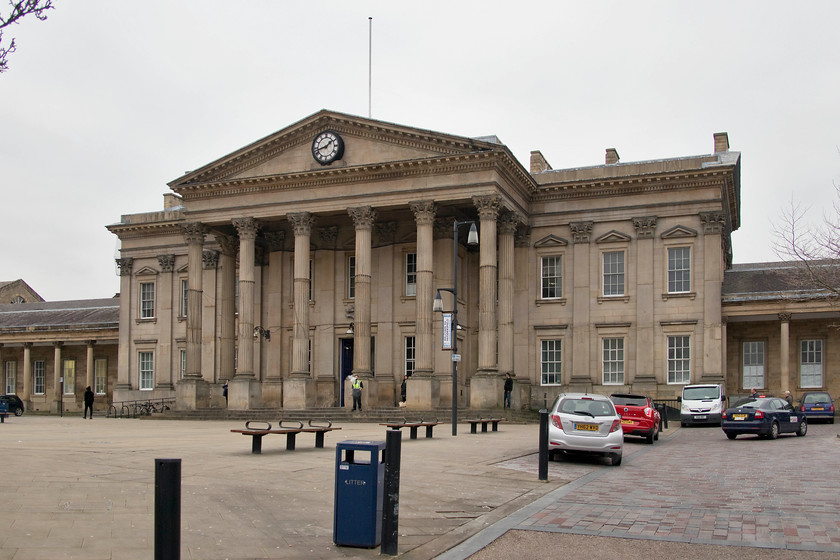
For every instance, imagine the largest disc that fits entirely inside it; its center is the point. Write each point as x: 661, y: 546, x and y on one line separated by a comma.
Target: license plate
x: 626, y: 421
x: 700, y: 417
x: 739, y: 416
x: 587, y: 427
x: 817, y: 408
x: 794, y: 419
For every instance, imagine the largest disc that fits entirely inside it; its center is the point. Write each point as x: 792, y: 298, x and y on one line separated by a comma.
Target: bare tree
x: 814, y: 248
x: 19, y: 10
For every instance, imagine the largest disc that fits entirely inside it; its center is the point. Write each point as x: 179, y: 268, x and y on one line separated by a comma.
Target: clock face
x: 327, y: 147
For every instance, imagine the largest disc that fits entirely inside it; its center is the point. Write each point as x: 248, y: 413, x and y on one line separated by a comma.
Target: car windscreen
x: 629, y: 400
x: 587, y: 407
x: 814, y: 398
x: 701, y: 393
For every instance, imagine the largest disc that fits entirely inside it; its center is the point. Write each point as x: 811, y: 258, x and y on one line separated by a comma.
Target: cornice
x: 471, y: 162
x: 623, y: 186
x: 129, y: 231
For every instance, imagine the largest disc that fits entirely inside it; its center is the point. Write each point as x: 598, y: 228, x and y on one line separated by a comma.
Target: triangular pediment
x: 678, y: 231
x: 613, y: 236
x: 366, y: 142
x: 551, y: 241
x: 146, y: 271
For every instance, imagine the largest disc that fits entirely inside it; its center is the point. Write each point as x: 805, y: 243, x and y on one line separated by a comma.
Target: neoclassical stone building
x: 318, y: 251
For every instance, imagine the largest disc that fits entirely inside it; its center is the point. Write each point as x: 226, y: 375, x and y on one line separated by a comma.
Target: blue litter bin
x: 359, y: 476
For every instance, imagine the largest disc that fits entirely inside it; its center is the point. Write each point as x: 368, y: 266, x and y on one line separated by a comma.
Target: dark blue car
x: 763, y: 416
x: 817, y: 404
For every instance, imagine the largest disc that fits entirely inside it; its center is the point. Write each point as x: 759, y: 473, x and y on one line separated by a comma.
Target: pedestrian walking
x: 88, y: 402
x: 224, y: 392
x: 403, y: 390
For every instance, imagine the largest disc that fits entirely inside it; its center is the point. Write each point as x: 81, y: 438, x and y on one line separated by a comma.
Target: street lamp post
x: 472, y: 239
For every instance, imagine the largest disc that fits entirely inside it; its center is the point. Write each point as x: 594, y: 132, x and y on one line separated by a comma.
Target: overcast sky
x: 106, y: 101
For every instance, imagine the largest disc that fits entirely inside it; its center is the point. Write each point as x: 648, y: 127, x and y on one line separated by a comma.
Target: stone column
x: 486, y: 387
x: 243, y: 391
x: 644, y: 378
x: 227, y: 306
x: 363, y: 218
x: 507, y: 231
x: 713, y: 263
x: 168, y: 306
x: 298, y: 390
x: 423, y: 389
x: 57, y: 396
x: 89, y: 364
x: 192, y: 392
x: 122, y: 391
x: 581, y: 378
x: 27, y: 373
x: 784, y: 352
x: 272, y: 385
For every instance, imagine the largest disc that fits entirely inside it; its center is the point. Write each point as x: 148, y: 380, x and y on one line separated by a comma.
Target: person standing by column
x: 508, y: 389
x: 88, y: 402
x: 357, y: 392
x: 225, y: 392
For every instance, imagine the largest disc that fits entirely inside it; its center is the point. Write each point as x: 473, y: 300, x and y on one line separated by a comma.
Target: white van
x: 702, y: 404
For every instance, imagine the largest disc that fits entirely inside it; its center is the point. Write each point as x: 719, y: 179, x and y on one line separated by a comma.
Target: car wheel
x: 649, y: 437
x: 803, y: 428
x: 831, y: 420
x: 774, y: 431
x: 615, y: 459
x: 18, y: 411
x: 730, y: 435
x: 682, y: 424
x: 656, y: 433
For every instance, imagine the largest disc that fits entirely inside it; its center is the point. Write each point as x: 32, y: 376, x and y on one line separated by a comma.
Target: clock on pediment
x: 327, y: 147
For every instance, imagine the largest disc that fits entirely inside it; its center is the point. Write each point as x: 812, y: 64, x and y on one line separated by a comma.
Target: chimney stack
x: 538, y: 162
x: 721, y: 142
x: 611, y: 157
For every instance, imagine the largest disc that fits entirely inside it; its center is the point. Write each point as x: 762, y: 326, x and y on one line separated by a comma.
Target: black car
x: 13, y: 404
x: 763, y: 416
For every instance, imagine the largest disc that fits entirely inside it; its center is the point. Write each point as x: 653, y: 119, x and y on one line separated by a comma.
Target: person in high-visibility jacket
x: 357, y: 385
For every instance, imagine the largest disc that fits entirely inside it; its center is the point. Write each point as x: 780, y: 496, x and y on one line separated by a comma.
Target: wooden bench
x: 289, y: 428
x: 484, y: 422
x: 412, y: 426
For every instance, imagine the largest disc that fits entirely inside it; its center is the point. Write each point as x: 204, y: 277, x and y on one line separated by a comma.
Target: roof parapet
x: 721, y: 142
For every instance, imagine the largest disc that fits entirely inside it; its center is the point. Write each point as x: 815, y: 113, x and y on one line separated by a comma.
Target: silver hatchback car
x: 585, y: 423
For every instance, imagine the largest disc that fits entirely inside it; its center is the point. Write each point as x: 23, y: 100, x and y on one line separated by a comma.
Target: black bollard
x: 167, y: 509
x: 543, y: 468
x: 391, y: 493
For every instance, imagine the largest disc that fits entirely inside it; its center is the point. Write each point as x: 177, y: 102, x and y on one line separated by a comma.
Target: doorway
x: 346, y: 365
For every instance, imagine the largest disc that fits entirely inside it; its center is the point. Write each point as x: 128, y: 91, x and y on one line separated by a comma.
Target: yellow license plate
x: 626, y: 421
x: 587, y: 427
x: 817, y: 408
x: 739, y: 416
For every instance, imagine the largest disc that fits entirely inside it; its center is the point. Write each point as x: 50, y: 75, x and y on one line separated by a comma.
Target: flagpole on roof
x: 370, y: 59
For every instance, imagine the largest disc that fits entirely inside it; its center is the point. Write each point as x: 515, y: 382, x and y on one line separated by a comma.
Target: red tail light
x: 723, y: 415
x: 759, y: 414
x: 649, y: 412
x: 802, y: 408
x: 616, y: 425
x: 556, y: 421
x: 831, y: 408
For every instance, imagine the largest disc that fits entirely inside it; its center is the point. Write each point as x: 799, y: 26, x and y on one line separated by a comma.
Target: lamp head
x: 437, y: 304
x: 472, y: 238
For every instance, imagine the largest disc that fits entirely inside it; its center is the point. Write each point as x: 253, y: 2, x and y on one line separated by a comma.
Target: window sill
x: 151, y: 320
x: 680, y: 295
x: 624, y: 299
x: 560, y: 301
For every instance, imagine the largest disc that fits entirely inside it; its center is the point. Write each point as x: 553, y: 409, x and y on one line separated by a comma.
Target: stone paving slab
x: 694, y: 487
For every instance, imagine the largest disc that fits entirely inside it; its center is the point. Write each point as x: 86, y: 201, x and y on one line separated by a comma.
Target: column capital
x: 194, y: 232
x: 301, y: 222
x: 713, y: 222
x: 488, y: 206
x: 209, y: 259
x: 25, y: 345
x: 645, y: 226
x: 363, y: 216
x: 785, y: 316
x: 522, y: 237
x: 424, y: 211
x: 58, y: 343
x: 166, y: 262
x: 581, y: 231
x: 509, y: 221
x: 246, y: 227
x: 228, y: 244
x: 125, y: 266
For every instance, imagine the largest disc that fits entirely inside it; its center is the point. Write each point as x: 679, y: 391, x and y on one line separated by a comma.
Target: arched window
x: 18, y: 299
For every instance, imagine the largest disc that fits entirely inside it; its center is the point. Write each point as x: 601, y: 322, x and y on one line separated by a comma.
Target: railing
x: 143, y: 407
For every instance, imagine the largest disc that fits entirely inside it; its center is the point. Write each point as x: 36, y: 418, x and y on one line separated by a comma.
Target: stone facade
x: 306, y: 270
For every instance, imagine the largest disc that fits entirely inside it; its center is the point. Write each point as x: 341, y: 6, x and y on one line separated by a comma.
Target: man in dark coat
x: 88, y: 402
